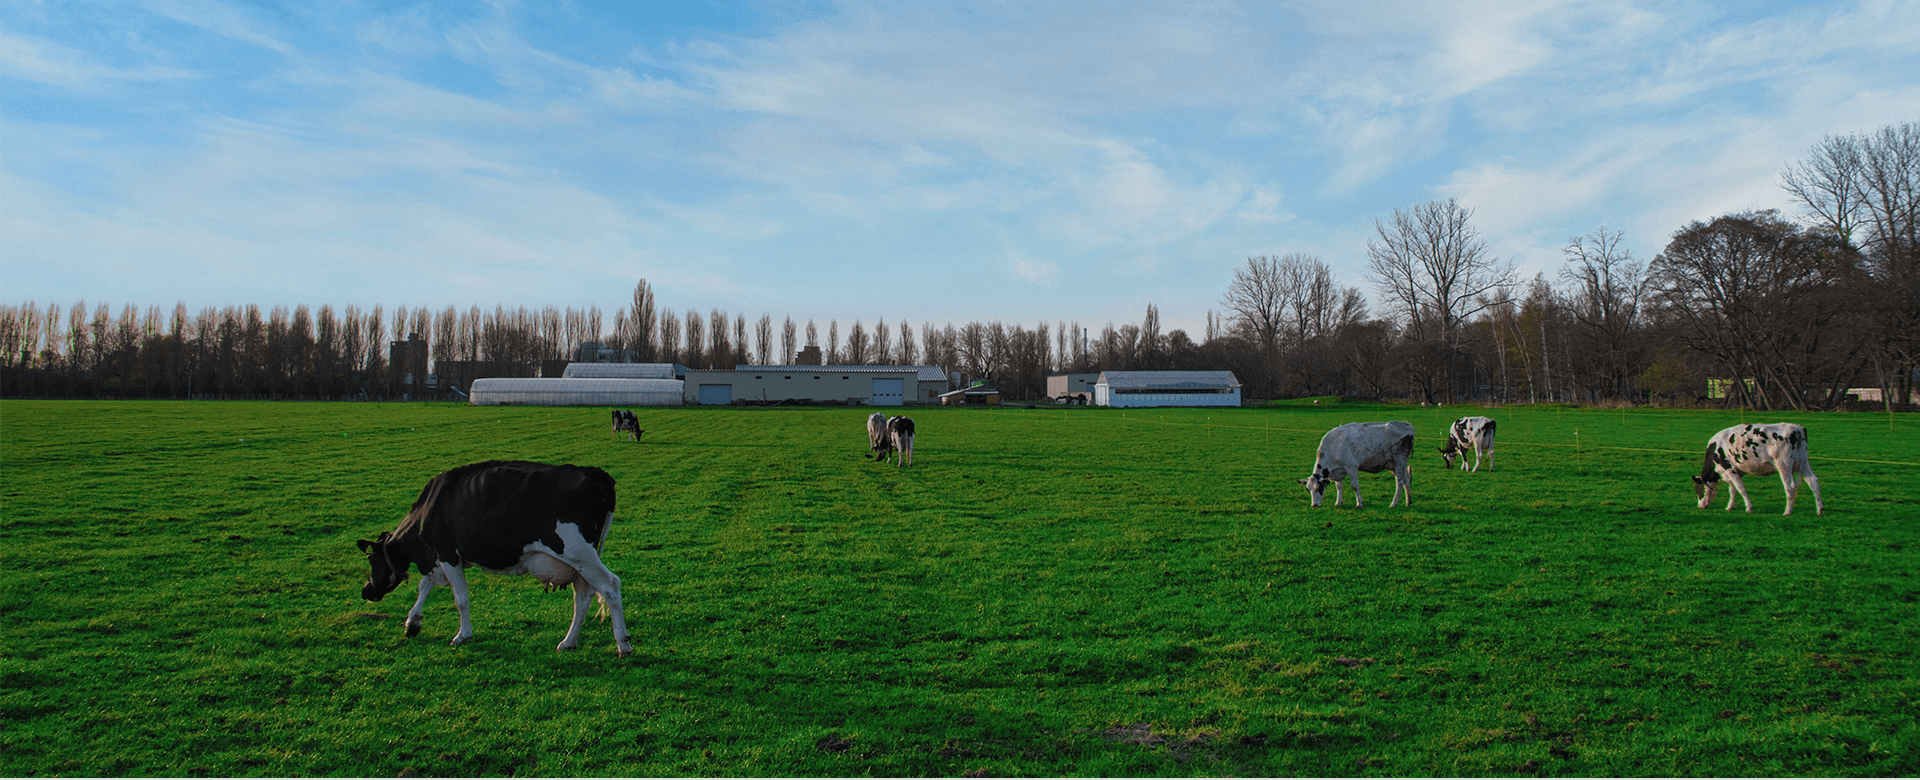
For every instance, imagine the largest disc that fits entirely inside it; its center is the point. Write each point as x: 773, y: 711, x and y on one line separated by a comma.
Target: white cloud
x: 1032, y: 269
x: 34, y: 59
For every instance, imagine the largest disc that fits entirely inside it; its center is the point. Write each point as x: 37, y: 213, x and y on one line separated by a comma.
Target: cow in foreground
x: 1371, y: 447
x: 876, y: 434
x: 1779, y: 448
x: 624, y: 420
x: 1469, y: 433
x: 506, y: 517
x: 897, y: 441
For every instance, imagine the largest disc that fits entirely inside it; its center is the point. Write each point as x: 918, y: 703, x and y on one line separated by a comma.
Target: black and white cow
x: 899, y: 441
x: 877, y: 435
x: 1371, y: 447
x: 1779, y: 448
x: 1469, y: 433
x: 624, y: 420
x: 506, y: 517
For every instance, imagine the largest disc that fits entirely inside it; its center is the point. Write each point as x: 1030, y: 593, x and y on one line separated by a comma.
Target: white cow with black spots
x: 1370, y: 447
x: 1779, y: 448
x: 1469, y: 433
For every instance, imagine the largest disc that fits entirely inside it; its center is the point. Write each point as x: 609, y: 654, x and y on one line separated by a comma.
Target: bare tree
x: 696, y: 339
x: 882, y: 343
x: 906, y: 354
x: 763, y: 339
x: 857, y: 344
x: 669, y: 349
x: 787, y: 342
x: 1433, y: 267
x: 1607, y: 287
x: 644, y: 341
x: 1257, y: 300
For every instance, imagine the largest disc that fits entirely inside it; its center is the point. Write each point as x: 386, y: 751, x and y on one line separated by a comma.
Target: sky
x: 917, y: 161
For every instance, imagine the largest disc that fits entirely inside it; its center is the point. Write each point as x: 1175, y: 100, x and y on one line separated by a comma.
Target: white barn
x: 1130, y: 389
x: 561, y: 391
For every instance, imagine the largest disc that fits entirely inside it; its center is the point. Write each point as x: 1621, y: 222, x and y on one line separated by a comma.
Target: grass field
x: 1050, y: 592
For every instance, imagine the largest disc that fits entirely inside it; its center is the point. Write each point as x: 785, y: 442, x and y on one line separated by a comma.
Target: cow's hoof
x: 459, y: 640
x: 564, y: 646
x: 413, y: 630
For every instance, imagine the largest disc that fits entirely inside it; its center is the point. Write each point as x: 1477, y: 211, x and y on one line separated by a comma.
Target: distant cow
x: 876, y: 434
x: 1469, y: 433
x: 624, y: 420
x: 1779, y: 448
x: 897, y: 441
x: 1371, y: 447
x: 506, y: 517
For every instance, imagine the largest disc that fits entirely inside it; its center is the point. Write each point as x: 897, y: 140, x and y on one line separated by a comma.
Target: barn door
x: 889, y: 392
x: 717, y: 395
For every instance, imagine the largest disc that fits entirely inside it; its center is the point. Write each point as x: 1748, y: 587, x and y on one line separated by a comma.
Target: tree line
x: 1751, y: 308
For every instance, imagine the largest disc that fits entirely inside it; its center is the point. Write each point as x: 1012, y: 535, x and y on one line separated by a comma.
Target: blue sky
x: 860, y: 160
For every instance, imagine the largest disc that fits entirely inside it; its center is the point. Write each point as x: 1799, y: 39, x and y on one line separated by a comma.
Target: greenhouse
x: 621, y: 371
x: 576, y: 392
x: 1166, y: 388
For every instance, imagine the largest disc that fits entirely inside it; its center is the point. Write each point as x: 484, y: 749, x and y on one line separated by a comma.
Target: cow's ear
x: 1301, y: 481
x: 365, y: 545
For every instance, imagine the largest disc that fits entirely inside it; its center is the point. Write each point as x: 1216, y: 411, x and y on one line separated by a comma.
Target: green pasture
x: 1045, y: 592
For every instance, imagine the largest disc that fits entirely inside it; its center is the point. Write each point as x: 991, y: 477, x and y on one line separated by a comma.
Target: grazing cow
x: 900, y: 441
x: 877, y: 434
x: 624, y: 420
x: 1779, y: 448
x: 1371, y: 447
x: 506, y: 517
x: 1475, y: 433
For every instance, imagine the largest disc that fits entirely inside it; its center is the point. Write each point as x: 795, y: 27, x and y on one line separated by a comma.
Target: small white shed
x: 561, y: 391
x: 1128, y: 389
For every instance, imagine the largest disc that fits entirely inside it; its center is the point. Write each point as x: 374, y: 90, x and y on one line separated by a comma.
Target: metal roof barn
x: 1128, y: 389
x: 577, y: 392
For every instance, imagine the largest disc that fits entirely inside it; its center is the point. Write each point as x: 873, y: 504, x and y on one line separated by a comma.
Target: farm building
x: 558, y: 391
x: 1166, y: 388
x: 870, y: 385
x: 1079, y: 387
x: 978, y: 395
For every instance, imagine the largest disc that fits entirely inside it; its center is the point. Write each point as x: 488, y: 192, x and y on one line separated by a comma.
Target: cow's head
x: 383, y: 574
x: 1704, y: 489
x: 1448, y: 453
x: 1316, y: 483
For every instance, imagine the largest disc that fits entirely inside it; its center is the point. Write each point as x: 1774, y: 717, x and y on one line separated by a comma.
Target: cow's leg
x: 1489, y: 456
x: 607, y: 584
x: 457, y: 582
x: 1789, y: 483
x: 1354, y: 479
x: 427, y: 584
x: 591, y: 573
x: 1738, y: 490
x: 1819, y: 506
x: 582, y: 601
